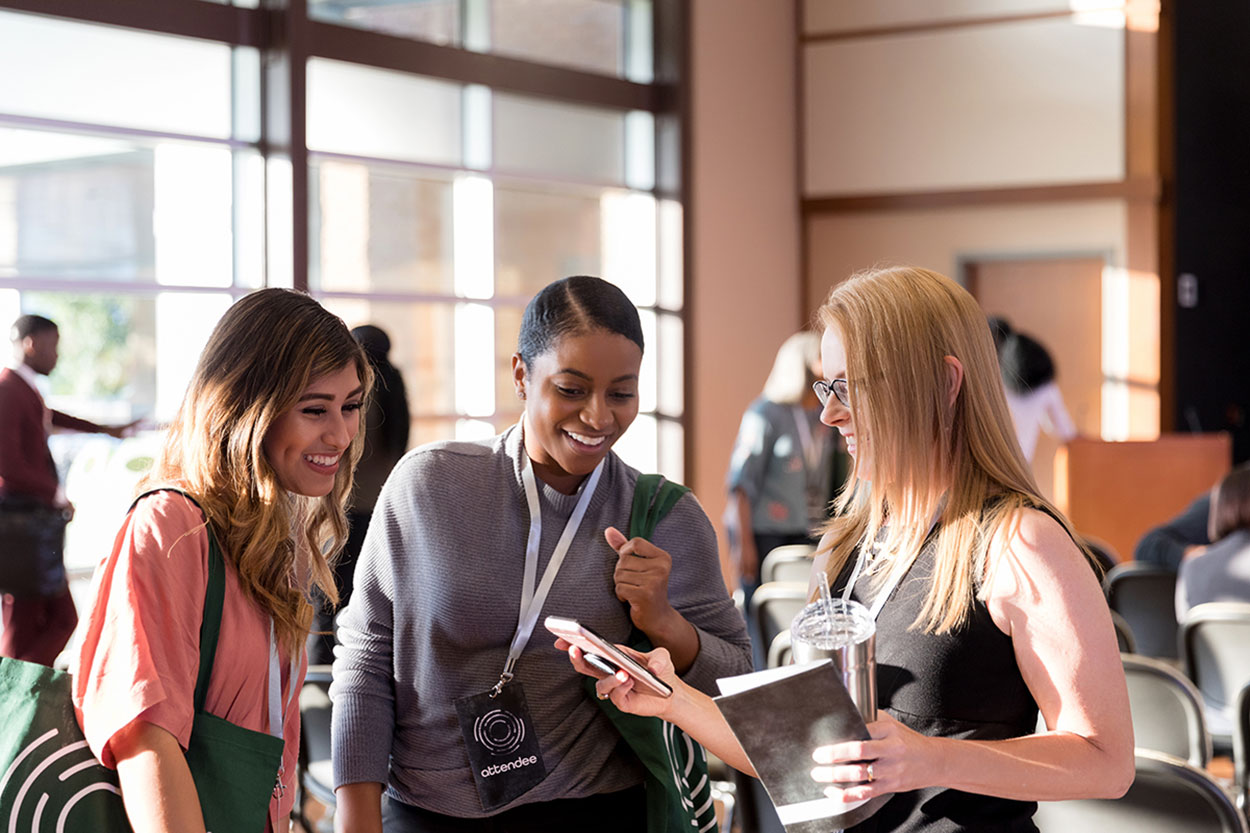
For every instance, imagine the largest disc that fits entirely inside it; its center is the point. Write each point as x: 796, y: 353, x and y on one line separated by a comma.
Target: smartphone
x: 603, y: 655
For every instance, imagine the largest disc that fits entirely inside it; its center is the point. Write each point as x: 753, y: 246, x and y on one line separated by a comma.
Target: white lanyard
x: 532, y: 599
x: 811, y: 450
x: 896, y: 575
x: 888, y: 588
x: 277, y: 712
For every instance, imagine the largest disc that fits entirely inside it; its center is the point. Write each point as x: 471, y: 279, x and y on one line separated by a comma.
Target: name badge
x: 502, y: 744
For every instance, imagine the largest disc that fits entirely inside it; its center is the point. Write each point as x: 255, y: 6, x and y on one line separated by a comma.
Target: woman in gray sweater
x: 447, y: 716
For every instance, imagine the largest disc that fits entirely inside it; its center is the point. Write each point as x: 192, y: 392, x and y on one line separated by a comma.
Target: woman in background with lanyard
x: 781, y: 471
x: 987, y: 612
x: 441, y: 697
x: 263, y: 445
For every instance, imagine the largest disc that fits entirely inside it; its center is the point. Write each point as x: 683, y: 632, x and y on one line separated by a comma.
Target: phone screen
x: 591, y: 643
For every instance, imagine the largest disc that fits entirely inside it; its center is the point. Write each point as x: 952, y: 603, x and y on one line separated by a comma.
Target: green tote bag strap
x: 50, y: 781
x: 214, y: 600
x: 236, y: 770
x: 654, y: 497
x: 679, y: 793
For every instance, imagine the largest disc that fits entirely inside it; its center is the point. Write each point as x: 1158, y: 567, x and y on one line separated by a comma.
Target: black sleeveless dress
x: 960, y: 684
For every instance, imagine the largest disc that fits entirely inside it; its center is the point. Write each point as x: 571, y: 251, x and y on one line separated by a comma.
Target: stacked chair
x: 1189, y: 691
x: 1168, y: 795
x: 791, y: 563
x: 1215, y: 651
x: 315, y: 776
x: 1145, y: 597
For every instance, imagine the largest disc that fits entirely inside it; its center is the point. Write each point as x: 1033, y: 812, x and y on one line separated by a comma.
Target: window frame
x: 287, y: 38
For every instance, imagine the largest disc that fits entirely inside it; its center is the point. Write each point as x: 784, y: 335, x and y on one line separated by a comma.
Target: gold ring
x: 871, y: 775
x: 601, y: 695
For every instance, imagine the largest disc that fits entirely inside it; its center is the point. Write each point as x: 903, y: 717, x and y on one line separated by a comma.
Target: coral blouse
x: 141, y: 650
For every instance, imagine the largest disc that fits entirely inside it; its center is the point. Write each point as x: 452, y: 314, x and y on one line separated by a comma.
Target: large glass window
x: 440, y: 234
x: 608, y: 37
x: 429, y: 186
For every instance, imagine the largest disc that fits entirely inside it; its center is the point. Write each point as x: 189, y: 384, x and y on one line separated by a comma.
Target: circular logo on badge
x: 501, y: 732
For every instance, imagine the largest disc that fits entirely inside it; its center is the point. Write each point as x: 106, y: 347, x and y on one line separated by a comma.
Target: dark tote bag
x: 49, y: 780
x: 33, y: 537
x: 679, y: 792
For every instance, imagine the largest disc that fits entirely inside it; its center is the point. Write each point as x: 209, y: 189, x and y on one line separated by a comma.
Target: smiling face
x: 306, y: 444
x: 835, y: 414
x: 580, y: 396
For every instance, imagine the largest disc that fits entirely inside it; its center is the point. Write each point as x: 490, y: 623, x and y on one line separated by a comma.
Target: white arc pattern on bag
x: 38, y: 770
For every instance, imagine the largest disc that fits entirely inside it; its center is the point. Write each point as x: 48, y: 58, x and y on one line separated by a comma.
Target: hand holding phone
x: 606, y: 657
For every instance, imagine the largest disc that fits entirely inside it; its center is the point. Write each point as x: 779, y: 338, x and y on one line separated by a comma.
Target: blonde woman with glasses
x: 987, y: 611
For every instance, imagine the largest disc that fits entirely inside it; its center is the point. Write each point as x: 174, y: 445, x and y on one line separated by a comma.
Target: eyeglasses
x: 837, y: 388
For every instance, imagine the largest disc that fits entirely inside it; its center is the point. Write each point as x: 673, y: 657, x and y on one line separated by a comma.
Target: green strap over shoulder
x: 214, y: 600
x: 679, y: 796
x: 654, y: 497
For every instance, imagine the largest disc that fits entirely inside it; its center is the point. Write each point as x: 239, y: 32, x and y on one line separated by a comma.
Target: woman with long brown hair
x: 257, y: 465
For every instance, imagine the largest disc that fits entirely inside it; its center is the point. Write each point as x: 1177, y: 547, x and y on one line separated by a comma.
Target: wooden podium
x: 1117, y: 491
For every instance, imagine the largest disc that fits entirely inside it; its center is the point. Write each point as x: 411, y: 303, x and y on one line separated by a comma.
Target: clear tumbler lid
x: 833, y: 624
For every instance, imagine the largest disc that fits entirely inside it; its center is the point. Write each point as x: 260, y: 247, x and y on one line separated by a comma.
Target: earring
x: 520, y: 394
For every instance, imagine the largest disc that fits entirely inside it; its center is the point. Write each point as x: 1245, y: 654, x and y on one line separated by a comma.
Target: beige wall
x: 744, y: 290
x: 946, y: 239
x: 829, y: 16
x: 1027, y: 127
x: 1020, y: 103
x: 839, y: 244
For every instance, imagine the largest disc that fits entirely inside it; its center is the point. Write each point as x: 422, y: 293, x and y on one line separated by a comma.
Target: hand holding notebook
x: 779, y: 716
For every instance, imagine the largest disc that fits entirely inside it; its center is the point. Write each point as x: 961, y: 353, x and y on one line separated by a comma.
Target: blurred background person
x: 1219, y: 572
x: 386, y: 427
x: 37, y: 626
x: 781, y: 472
x: 1033, y: 397
x: 1169, y: 543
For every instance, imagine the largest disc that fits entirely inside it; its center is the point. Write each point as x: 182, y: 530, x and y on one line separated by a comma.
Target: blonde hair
x: 791, y: 376
x: 258, y: 361
x: 898, y: 326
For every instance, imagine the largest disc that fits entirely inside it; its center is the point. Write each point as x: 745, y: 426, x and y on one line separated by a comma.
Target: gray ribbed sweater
x: 437, y: 594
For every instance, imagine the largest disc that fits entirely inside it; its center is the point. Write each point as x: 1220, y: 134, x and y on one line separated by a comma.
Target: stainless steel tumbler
x: 844, y: 631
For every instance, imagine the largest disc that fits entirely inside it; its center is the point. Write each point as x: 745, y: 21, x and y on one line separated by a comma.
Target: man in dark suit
x: 35, y: 627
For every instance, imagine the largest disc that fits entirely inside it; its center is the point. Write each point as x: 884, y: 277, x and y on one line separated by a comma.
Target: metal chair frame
x: 1166, y: 681
x: 770, y: 594
x: 1218, y: 684
x: 1154, y: 627
x: 1161, y: 798
x: 781, y: 560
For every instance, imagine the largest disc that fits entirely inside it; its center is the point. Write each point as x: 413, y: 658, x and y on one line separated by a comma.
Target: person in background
x: 264, y: 442
x: 36, y: 628
x: 781, y: 468
x: 1168, y: 544
x: 1220, y: 572
x: 1033, y: 397
x: 467, y: 541
x: 987, y: 611
x: 386, y: 426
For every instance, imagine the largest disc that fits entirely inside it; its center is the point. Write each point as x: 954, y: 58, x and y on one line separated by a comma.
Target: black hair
x: 1025, y: 363
x: 1000, y: 328
x: 577, y: 304
x: 29, y: 325
x: 374, y: 340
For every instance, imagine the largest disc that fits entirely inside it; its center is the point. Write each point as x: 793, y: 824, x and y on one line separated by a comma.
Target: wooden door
x: 1058, y: 301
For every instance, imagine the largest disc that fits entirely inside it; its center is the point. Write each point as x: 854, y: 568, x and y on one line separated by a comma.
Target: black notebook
x: 779, y: 716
